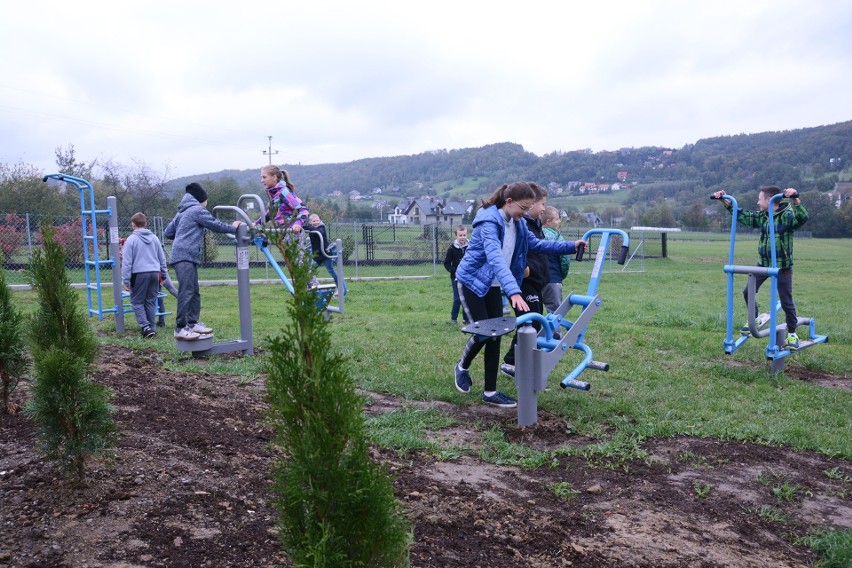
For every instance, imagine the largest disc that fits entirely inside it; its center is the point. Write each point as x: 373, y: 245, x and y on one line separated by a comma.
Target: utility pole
x: 270, y: 152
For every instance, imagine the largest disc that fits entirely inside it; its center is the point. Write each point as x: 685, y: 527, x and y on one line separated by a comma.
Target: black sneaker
x: 500, y: 399
x: 148, y: 333
x: 463, y: 381
x: 508, y: 369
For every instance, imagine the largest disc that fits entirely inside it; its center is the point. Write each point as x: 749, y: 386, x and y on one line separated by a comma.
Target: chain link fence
x: 370, y: 249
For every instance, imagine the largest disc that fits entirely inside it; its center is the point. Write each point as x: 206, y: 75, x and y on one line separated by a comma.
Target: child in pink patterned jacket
x: 289, y: 209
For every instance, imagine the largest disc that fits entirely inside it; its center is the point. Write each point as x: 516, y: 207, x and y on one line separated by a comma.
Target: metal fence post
x: 355, y: 245
x: 29, y: 238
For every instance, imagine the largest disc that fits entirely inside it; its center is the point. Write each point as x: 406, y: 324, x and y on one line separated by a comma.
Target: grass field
x: 661, y: 331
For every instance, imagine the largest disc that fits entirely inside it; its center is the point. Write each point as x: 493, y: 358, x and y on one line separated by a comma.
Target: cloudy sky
x: 194, y: 87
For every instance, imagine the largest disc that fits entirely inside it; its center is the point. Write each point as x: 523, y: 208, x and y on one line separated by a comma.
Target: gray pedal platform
x: 202, y: 343
x: 493, y: 327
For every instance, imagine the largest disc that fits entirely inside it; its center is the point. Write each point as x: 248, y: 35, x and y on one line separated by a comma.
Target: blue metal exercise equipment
x: 245, y: 235
x: 775, y: 350
x: 538, y: 353
x: 91, y: 257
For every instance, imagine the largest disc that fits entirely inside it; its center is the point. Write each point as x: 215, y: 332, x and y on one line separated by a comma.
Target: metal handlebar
x: 239, y: 212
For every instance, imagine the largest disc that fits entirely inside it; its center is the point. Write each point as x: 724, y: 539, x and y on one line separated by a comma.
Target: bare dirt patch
x: 188, y: 487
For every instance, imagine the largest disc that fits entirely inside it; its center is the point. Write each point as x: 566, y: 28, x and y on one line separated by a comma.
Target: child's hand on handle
x: 580, y: 242
x: 791, y: 193
x: 518, y: 303
x: 719, y: 194
x: 296, y: 228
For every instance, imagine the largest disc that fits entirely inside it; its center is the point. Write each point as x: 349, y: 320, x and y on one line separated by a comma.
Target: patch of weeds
x: 614, y: 454
x: 834, y: 548
x: 564, y: 490
x: 771, y: 514
x: 495, y: 449
x: 247, y: 379
x: 838, y: 474
x: 405, y: 430
x: 782, y: 490
x: 785, y: 492
x: 693, y: 459
x: 702, y: 488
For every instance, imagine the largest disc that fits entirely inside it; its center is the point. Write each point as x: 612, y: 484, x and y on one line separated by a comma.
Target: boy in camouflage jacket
x: 788, y: 217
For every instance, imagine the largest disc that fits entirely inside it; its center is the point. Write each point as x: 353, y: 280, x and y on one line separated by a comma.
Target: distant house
x: 622, y: 176
x: 431, y: 210
x: 336, y: 193
x: 841, y: 193
x: 398, y: 217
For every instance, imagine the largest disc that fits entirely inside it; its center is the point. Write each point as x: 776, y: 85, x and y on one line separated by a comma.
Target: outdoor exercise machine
x: 325, y: 292
x: 775, y: 351
x: 244, y: 236
x: 92, y: 263
x: 538, y: 353
x: 91, y: 255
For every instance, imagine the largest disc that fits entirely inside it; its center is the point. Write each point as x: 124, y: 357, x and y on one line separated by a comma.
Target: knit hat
x: 195, y: 190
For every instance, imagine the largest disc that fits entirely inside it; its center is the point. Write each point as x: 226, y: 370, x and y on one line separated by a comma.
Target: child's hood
x: 145, y: 235
x: 187, y: 202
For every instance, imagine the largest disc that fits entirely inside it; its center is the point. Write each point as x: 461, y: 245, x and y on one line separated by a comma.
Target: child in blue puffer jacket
x: 496, y: 257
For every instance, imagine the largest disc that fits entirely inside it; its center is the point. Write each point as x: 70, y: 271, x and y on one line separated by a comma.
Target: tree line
x: 665, y: 184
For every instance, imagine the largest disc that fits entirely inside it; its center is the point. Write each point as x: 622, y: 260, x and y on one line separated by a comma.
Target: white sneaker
x: 200, y: 328
x: 186, y: 334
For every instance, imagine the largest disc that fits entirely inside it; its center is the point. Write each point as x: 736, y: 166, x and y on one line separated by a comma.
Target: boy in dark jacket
x: 319, y: 239
x: 143, y: 262
x: 451, y: 262
x: 187, y: 231
x: 788, y: 218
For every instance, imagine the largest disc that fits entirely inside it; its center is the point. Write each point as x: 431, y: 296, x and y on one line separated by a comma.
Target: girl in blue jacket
x: 496, y: 258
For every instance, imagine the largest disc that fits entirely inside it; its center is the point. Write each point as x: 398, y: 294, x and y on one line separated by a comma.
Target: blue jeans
x: 329, y: 266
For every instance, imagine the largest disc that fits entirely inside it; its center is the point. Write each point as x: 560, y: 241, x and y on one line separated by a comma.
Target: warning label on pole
x: 242, y: 258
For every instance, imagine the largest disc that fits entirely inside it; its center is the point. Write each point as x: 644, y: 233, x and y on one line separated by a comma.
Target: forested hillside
x: 649, y: 185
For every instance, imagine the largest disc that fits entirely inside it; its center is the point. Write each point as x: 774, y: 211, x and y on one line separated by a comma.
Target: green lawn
x: 660, y: 330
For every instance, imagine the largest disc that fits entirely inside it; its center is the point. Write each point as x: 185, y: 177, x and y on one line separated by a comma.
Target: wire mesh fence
x: 370, y: 249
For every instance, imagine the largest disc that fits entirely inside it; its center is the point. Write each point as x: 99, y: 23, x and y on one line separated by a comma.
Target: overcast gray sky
x: 196, y: 87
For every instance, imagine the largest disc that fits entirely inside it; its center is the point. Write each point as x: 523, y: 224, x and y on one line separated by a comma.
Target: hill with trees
x: 647, y: 185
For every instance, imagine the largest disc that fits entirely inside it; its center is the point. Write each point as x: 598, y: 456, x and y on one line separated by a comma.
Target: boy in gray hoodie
x: 143, y: 261
x: 187, y: 232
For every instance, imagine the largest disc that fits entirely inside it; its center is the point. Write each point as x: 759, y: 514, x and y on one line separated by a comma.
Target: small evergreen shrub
x: 72, y: 413
x: 13, y: 361
x: 336, y: 506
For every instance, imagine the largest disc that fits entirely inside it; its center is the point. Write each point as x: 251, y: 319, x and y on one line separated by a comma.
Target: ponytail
x: 516, y: 191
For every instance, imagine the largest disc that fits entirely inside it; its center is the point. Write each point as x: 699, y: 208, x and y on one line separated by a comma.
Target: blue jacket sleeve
x: 550, y: 247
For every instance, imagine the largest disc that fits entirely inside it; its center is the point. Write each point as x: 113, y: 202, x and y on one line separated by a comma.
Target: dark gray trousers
x: 189, y: 295
x: 785, y: 294
x: 144, y: 288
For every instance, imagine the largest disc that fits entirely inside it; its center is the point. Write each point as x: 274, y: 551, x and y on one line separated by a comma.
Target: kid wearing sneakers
x: 451, y: 262
x: 788, y: 217
x: 143, y: 263
x: 496, y: 257
x: 187, y: 231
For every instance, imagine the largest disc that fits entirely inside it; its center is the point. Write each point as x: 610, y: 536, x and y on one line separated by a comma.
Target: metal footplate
x: 201, y: 343
x: 494, y: 327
